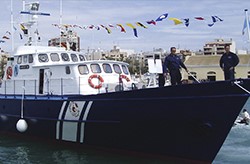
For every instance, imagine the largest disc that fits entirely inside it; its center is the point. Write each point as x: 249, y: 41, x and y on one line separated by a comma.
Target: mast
x: 247, y: 23
x: 32, y: 12
x: 12, y: 25
x: 61, y: 5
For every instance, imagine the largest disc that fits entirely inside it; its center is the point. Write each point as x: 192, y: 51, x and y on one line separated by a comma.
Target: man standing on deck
x: 172, y: 65
x: 228, y: 61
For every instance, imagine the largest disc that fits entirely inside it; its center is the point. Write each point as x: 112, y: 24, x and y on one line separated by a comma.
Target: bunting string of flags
x: 5, y: 37
x: 121, y: 27
x: 109, y: 27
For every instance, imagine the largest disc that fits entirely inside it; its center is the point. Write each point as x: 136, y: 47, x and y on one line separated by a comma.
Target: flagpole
x: 12, y: 24
x: 60, y: 26
x: 247, y: 22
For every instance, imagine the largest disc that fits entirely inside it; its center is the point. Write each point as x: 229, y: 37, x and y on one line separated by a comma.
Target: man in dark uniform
x: 228, y: 61
x: 173, y: 64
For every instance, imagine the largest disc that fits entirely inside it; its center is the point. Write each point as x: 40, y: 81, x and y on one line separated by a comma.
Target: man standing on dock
x: 228, y: 62
x: 173, y: 64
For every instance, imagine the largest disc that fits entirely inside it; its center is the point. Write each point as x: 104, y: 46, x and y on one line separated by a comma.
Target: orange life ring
x: 92, y: 84
x: 125, y: 77
x: 9, y: 72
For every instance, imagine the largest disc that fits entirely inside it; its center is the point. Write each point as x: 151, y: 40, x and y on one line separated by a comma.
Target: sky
x: 104, y: 12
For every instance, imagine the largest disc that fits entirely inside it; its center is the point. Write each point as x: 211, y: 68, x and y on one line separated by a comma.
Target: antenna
x: 12, y: 25
x: 31, y: 9
x: 61, y: 5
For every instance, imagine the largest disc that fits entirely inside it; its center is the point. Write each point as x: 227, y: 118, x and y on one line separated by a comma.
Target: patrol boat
x: 53, y: 93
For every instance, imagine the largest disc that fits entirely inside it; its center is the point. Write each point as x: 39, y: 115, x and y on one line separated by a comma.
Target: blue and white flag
x: 186, y: 22
x: 163, y: 16
x: 244, y: 27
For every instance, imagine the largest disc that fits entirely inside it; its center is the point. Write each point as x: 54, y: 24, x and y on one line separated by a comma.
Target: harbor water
x: 236, y: 149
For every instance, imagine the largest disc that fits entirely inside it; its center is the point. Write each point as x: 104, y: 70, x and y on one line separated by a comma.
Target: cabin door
x: 44, y: 81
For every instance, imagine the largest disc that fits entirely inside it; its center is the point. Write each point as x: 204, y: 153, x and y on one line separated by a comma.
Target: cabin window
x: 95, y: 68
x: 25, y: 59
x: 74, y: 57
x: 67, y: 70
x: 19, y: 60
x: 43, y: 58
x: 82, y: 58
x: 117, y: 68
x: 125, y: 69
x: 54, y: 57
x: 65, y: 56
x: 30, y: 58
x: 83, y: 69
x: 106, y: 68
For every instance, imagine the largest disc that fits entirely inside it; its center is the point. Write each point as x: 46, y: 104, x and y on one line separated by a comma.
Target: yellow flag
x: 130, y: 25
x: 176, y: 21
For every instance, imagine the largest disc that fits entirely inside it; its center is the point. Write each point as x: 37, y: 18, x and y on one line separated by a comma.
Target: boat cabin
x: 38, y: 70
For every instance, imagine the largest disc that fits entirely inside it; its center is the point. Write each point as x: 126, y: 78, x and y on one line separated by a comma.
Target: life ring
x: 125, y: 77
x: 99, y: 83
x: 9, y: 72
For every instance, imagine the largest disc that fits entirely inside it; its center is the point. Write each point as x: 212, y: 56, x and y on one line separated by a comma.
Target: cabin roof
x: 38, y: 49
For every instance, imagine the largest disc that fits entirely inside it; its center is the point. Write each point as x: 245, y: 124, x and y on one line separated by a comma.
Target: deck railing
x: 60, y: 86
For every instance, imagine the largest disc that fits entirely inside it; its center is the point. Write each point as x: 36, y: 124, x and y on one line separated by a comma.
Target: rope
x: 237, y: 83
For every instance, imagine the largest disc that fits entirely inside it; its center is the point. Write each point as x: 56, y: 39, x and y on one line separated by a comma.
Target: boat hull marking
x: 72, y: 130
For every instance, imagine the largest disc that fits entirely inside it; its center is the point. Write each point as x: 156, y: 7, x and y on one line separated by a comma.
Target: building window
x: 248, y: 75
x: 211, y: 76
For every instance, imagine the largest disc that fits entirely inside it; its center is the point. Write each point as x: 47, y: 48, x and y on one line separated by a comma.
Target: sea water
x: 236, y: 149
x: 34, y: 151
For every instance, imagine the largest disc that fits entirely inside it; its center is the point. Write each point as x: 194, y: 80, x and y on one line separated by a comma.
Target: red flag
x: 5, y: 37
x: 151, y: 22
x: 199, y: 18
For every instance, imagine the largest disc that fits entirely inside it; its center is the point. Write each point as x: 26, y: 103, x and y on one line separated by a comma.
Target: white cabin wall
x: 63, y: 83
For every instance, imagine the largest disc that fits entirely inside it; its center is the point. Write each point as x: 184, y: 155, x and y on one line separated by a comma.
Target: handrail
x: 58, y: 86
x: 238, y: 84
